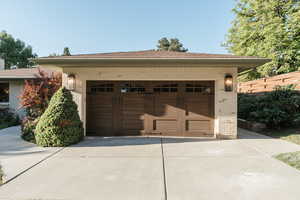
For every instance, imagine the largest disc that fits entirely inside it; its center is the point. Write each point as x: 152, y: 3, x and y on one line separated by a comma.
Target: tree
x: 164, y: 44
x: 267, y: 29
x: 60, y: 124
x: 66, y: 51
x: 15, y: 52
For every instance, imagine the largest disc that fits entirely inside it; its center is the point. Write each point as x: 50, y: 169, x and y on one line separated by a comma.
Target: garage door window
x: 132, y: 88
x: 102, y: 88
x: 166, y: 88
x: 198, y: 88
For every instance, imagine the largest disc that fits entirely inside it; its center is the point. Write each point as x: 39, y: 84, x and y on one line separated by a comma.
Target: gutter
x: 15, y: 78
x: 238, y: 62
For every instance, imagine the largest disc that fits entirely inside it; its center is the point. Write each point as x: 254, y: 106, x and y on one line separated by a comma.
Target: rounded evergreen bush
x: 60, y: 124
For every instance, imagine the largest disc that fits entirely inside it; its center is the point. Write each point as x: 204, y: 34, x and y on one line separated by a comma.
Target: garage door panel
x: 133, y: 125
x: 133, y: 110
x: 166, y: 106
x: 197, y: 125
x: 160, y: 107
x: 165, y: 126
x: 100, y: 114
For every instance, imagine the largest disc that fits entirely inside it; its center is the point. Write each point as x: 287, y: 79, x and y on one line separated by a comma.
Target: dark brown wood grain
x: 166, y: 108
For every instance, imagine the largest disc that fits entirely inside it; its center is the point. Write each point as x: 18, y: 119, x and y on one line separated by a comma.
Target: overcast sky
x: 91, y: 26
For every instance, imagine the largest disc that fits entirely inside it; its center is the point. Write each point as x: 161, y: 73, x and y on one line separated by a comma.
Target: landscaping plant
x: 35, y: 99
x: 8, y: 119
x: 276, y: 109
x: 1, y: 175
x: 27, y: 129
x: 60, y: 124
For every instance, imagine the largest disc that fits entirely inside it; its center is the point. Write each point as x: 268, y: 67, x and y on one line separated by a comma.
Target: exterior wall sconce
x: 71, y: 82
x: 228, y: 83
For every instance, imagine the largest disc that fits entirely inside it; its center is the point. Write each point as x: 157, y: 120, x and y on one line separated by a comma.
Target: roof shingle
x: 152, y: 54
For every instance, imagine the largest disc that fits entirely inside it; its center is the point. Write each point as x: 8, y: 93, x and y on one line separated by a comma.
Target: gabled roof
x: 152, y: 54
x: 20, y: 74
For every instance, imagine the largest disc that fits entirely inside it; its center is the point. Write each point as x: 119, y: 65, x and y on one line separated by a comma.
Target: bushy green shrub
x: 60, y: 124
x: 28, y: 126
x: 276, y: 109
x: 8, y: 119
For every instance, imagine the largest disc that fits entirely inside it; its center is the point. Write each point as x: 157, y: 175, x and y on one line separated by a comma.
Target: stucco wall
x: 15, y: 89
x: 225, y: 102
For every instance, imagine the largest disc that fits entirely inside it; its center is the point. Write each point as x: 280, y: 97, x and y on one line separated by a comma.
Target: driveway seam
x: 164, y: 170
x: 27, y: 169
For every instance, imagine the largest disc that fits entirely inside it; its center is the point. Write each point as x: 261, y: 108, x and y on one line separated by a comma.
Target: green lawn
x: 288, y: 134
x: 292, y: 135
x: 292, y: 159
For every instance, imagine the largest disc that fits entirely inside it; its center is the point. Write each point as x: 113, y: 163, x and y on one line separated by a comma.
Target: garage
x: 168, y: 108
x: 154, y: 92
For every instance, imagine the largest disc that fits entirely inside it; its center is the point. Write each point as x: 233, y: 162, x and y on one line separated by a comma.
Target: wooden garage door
x: 116, y: 108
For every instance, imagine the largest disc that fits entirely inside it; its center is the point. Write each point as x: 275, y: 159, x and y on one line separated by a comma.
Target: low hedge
x: 8, y: 119
x: 276, y: 109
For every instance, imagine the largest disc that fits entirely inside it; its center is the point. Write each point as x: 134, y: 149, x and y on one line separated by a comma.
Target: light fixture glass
x: 71, y: 82
x: 228, y: 83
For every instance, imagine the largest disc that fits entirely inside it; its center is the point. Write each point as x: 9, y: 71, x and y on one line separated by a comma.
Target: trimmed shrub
x: 60, y: 124
x: 276, y: 109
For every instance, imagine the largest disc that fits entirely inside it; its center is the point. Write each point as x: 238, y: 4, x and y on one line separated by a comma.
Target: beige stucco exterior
x: 15, y: 89
x: 225, y: 102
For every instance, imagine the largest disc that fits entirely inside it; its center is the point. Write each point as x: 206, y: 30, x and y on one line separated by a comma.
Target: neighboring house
x: 11, y: 86
x: 154, y: 92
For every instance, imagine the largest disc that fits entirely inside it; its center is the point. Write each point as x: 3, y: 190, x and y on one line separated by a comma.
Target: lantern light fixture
x: 228, y: 83
x: 71, y: 82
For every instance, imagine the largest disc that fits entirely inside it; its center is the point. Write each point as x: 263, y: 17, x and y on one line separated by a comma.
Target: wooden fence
x: 268, y: 84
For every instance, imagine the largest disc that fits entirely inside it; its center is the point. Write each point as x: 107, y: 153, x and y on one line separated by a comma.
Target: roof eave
x: 238, y: 62
x: 7, y: 78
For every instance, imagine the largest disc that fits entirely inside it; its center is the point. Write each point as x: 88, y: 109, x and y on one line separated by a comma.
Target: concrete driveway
x: 161, y: 168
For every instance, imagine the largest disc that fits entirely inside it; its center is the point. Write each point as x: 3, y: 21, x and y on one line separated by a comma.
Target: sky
x: 96, y: 26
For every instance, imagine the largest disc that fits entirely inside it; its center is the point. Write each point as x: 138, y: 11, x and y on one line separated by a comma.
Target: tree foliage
x: 15, y: 52
x: 38, y: 92
x: 60, y: 124
x: 279, y: 108
x: 267, y: 28
x: 66, y: 51
x: 173, y: 44
x: 35, y: 99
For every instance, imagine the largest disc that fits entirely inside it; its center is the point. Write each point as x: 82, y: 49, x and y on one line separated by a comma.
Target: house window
x: 4, y: 92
